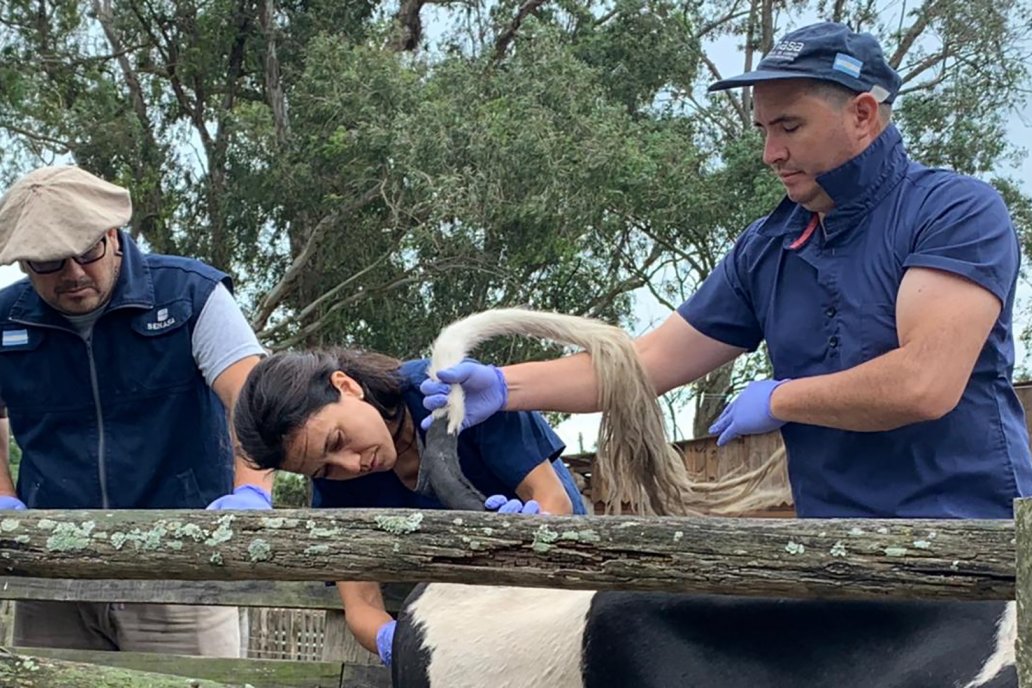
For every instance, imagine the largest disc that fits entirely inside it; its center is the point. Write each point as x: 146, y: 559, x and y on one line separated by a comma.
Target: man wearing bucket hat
x: 883, y: 289
x: 116, y: 370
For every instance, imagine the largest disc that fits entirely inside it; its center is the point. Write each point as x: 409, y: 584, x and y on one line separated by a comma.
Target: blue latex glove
x: 484, y: 385
x: 12, y: 503
x: 504, y: 505
x: 385, y: 641
x: 748, y: 413
x: 244, y: 497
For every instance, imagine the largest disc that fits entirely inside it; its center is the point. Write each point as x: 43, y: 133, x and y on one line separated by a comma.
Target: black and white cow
x: 458, y: 636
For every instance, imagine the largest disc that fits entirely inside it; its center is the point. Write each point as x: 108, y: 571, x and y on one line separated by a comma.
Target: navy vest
x: 126, y: 420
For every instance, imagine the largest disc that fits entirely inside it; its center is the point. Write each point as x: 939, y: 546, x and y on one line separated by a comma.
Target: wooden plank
x: 841, y: 558
x: 23, y: 671
x: 299, y: 595
x: 244, y: 593
x: 260, y: 673
x: 1023, y: 537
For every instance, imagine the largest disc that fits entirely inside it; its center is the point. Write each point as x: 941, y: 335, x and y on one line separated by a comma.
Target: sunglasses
x: 46, y: 267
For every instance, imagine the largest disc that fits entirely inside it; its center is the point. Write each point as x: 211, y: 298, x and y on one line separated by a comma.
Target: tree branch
x: 727, y: 94
x: 912, y: 34
x: 328, y: 294
x: 766, y: 26
x: 273, y: 87
x: 221, y: 244
x: 315, y: 326
x: 839, y: 11
x: 926, y: 64
x: 149, y: 204
x: 276, y: 295
x: 506, y: 37
x: 715, y: 24
x: 37, y: 137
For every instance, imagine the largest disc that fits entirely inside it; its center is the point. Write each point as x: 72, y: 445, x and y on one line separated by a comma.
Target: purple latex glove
x: 12, y: 504
x: 484, y: 385
x: 244, y: 497
x: 504, y: 505
x: 385, y: 641
x: 748, y: 413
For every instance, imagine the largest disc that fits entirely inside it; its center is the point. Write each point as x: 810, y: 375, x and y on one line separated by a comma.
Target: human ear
x: 865, y: 112
x: 346, y: 384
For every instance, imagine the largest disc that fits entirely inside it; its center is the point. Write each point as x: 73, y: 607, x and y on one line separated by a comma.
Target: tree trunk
x: 841, y: 558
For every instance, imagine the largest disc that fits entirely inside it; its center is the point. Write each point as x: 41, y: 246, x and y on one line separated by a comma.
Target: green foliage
x: 291, y: 491
x: 14, y: 458
x: 564, y: 158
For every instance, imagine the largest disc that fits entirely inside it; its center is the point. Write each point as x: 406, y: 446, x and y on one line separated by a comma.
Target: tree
x: 369, y: 172
x: 362, y: 195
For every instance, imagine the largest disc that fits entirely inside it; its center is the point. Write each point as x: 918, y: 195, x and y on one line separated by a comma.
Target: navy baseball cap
x: 827, y: 52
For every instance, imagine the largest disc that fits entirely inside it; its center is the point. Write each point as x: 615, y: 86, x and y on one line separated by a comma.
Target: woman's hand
x: 385, y: 641
x: 504, y: 505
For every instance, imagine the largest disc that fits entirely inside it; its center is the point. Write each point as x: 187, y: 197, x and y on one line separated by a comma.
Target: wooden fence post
x: 1023, y: 588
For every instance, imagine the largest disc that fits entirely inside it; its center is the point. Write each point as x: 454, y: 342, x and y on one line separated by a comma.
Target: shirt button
x: 832, y: 341
x: 830, y: 311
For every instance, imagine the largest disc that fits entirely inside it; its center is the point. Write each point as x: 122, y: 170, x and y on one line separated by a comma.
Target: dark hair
x: 285, y: 389
x: 831, y: 91
x: 839, y: 95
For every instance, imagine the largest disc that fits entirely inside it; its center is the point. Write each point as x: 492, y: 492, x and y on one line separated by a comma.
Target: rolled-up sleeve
x: 966, y: 230
x: 722, y: 308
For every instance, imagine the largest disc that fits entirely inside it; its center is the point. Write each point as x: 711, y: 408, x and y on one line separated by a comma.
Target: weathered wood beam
x: 25, y: 671
x: 770, y: 557
x: 1023, y: 536
x: 243, y: 593
x: 258, y: 673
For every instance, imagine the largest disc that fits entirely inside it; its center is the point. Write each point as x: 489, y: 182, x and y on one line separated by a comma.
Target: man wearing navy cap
x: 883, y: 289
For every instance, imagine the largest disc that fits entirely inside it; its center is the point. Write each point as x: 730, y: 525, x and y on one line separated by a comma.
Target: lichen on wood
x: 25, y: 671
x: 832, y: 558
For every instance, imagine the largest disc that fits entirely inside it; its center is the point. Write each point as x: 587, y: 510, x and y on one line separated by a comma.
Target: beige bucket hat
x: 58, y: 212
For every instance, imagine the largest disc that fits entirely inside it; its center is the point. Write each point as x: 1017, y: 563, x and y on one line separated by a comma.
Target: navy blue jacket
x: 124, y: 420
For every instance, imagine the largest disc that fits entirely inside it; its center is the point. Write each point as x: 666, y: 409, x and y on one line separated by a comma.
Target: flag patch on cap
x: 15, y: 337
x: 848, y: 64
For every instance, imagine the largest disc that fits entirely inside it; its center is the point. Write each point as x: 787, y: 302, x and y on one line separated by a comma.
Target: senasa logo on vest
x: 163, y: 320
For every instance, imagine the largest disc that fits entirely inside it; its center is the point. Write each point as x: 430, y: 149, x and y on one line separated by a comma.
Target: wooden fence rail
x: 793, y: 558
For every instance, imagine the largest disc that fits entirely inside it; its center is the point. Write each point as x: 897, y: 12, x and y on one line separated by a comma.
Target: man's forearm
x: 884, y: 393
x: 566, y: 384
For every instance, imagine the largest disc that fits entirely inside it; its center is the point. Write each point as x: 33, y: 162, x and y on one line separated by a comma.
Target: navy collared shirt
x: 830, y: 304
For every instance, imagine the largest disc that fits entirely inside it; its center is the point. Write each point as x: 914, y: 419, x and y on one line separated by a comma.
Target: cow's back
x: 465, y: 636
x: 656, y: 639
x: 456, y: 636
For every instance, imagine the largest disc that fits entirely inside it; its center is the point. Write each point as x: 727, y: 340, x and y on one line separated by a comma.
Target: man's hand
x: 385, y: 641
x: 484, y: 386
x: 244, y: 497
x: 12, y: 504
x: 504, y: 505
x: 748, y: 414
